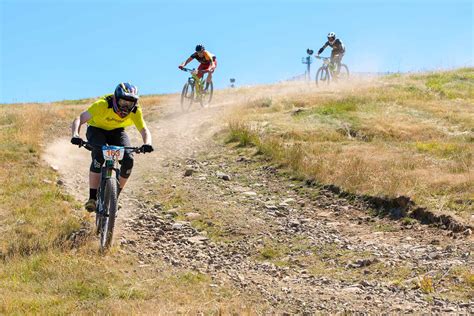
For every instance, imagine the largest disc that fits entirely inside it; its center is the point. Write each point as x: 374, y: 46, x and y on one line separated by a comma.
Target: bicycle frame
x: 196, y: 89
x: 331, y: 70
x: 107, y: 203
x: 327, y: 63
x: 195, y: 80
x: 112, y: 155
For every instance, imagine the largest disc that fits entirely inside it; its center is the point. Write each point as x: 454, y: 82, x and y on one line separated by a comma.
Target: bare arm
x: 78, y: 121
x: 146, y: 135
x: 187, y: 61
x: 213, y: 63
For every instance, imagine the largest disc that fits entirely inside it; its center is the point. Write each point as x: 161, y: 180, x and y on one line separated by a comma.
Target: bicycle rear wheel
x: 344, y: 72
x: 206, y: 96
x: 187, y: 96
x: 110, y: 211
x: 322, y: 76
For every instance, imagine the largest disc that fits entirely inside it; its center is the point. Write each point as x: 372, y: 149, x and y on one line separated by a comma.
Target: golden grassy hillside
x: 399, y: 135
x: 43, y: 268
x: 409, y: 134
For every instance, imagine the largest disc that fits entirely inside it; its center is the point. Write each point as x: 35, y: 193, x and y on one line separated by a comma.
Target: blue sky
x: 55, y: 50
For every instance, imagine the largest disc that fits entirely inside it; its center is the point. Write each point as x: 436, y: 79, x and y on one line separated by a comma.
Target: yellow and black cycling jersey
x: 104, y: 116
x: 207, y: 57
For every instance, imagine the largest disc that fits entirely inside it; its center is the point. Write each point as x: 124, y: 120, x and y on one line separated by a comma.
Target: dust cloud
x: 176, y: 134
x: 72, y: 164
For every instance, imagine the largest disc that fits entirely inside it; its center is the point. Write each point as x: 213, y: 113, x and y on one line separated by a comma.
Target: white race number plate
x: 113, y: 152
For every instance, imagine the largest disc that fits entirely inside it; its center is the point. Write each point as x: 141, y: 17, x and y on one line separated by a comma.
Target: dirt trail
x: 177, y: 135
x: 238, y: 220
x: 72, y: 164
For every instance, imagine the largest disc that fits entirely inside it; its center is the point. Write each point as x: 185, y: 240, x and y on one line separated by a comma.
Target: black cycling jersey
x: 337, y: 47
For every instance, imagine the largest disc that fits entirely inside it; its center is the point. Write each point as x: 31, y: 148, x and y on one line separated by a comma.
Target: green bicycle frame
x: 109, y: 164
x: 198, y: 83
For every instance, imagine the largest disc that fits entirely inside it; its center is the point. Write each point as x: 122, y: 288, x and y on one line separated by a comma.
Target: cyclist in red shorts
x: 208, y: 63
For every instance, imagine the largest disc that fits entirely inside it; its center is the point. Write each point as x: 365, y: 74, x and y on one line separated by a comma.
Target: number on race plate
x: 113, y: 153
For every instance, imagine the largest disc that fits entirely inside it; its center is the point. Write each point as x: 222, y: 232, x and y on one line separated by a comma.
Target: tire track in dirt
x: 345, y: 236
x: 329, y: 255
x: 252, y: 212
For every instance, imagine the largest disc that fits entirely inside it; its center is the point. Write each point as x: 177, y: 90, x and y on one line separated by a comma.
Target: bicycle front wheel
x: 322, y: 76
x: 187, y: 96
x: 110, y: 211
x: 207, y: 94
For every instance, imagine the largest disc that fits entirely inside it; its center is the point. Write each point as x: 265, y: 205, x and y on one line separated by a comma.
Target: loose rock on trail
x: 198, y: 204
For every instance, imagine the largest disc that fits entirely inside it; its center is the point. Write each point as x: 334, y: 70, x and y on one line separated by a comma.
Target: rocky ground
x: 201, y: 205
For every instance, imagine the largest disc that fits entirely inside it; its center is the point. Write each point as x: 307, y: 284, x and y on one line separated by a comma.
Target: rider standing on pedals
x: 338, y: 50
x: 107, y: 119
x: 208, y: 63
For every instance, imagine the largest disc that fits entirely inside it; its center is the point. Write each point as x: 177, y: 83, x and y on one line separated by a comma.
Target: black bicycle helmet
x: 128, y: 93
x: 200, y: 48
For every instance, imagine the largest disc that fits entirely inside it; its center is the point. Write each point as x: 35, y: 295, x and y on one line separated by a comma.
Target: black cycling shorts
x: 117, y: 137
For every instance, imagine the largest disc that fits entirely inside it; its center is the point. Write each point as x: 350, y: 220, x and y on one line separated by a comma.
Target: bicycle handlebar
x: 187, y: 69
x: 191, y: 70
x: 90, y: 146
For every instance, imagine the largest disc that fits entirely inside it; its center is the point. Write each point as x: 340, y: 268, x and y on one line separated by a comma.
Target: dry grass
x: 402, y: 135
x: 396, y: 135
x: 36, y: 215
x: 40, y: 271
x: 82, y: 281
x: 426, y: 284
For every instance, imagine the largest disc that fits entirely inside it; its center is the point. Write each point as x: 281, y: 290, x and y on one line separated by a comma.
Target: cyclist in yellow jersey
x: 107, y: 119
x: 208, y: 63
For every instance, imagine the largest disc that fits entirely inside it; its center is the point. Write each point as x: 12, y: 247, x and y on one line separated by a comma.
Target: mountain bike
x: 194, y: 90
x: 328, y: 72
x: 107, y: 193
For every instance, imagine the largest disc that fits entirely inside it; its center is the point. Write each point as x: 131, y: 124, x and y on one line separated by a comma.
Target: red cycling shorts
x: 205, y: 67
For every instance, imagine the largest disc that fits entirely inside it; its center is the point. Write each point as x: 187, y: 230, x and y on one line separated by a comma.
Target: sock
x: 93, y: 194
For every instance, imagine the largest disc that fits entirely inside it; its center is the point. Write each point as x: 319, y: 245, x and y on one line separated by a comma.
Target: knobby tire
x: 206, y: 98
x: 187, y: 97
x: 110, y: 208
x: 322, y: 76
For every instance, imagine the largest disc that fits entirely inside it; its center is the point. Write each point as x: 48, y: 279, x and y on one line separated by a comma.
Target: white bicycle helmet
x: 331, y: 37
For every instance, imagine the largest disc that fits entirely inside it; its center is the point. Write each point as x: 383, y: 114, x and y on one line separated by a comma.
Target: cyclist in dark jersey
x: 338, y: 50
x: 208, y: 63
